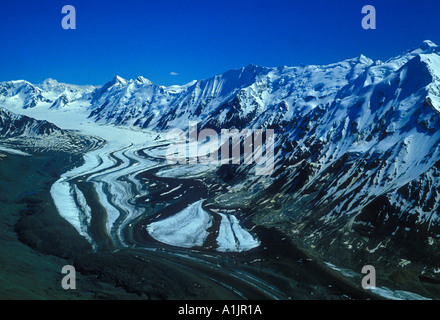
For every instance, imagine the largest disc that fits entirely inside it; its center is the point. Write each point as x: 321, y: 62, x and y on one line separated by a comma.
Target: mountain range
x: 357, y: 147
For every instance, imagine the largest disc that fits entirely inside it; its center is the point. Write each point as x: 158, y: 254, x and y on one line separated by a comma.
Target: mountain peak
x: 20, y: 81
x: 50, y: 81
x: 426, y: 47
x: 143, y: 80
x: 49, y: 84
x: 360, y: 59
x: 428, y: 44
x: 118, y: 80
x: 251, y: 66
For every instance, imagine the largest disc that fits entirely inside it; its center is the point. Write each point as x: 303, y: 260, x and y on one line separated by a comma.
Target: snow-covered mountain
x: 248, y: 97
x: 357, y: 142
x: 369, y: 159
x: 20, y: 93
x: 14, y: 125
x: 21, y: 131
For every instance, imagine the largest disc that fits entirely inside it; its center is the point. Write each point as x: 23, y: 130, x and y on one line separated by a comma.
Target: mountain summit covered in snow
x: 251, y: 96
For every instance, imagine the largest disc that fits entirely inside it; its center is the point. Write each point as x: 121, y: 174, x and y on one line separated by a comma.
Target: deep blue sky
x: 199, y: 38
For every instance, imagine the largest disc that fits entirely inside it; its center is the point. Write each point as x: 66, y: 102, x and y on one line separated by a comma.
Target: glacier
x: 357, y: 154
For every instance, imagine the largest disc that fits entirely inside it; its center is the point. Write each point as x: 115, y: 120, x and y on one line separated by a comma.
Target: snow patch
x: 232, y: 237
x: 14, y: 151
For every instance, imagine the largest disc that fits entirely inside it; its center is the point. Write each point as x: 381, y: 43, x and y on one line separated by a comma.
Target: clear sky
x: 197, y: 39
